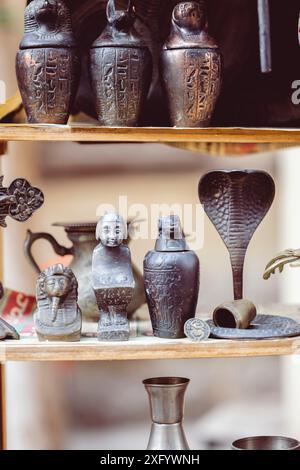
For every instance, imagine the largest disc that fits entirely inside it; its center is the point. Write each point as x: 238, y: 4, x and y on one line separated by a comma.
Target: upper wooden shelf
x: 93, y: 133
x: 143, y: 347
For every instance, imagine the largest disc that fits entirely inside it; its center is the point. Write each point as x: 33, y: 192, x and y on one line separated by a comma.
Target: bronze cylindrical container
x: 236, y: 314
x: 121, y: 70
x: 191, y: 67
x: 166, y: 398
x: 47, y: 63
x: 171, y: 275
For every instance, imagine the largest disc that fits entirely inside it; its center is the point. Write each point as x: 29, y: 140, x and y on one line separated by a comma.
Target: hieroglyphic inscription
x: 162, y: 285
x: 120, y: 86
x: 51, y: 75
x: 201, y: 84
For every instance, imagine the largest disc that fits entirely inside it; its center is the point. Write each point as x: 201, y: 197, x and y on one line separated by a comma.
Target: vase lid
x: 120, y: 31
x: 48, y: 24
x: 189, y: 28
x: 171, y: 237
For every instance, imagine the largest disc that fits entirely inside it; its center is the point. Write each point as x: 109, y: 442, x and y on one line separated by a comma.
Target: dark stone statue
x: 171, y: 275
x: 191, y: 67
x: 112, y: 278
x: 58, y: 317
x: 121, y: 69
x: 47, y: 63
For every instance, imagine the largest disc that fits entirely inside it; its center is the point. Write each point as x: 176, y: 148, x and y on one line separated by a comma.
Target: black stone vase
x: 121, y: 70
x: 191, y: 67
x: 171, y: 274
x: 47, y: 63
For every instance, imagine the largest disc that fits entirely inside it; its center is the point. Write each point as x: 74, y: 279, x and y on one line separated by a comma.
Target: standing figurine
x: 121, y: 69
x: 47, y: 63
x: 58, y: 317
x: 171, y: 280
x: 112, y: 278
x: 191, y: 67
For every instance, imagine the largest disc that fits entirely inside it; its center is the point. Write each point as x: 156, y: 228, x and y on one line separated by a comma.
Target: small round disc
x: 197, y: 330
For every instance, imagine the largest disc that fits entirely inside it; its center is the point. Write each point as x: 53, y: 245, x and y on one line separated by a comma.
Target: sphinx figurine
x: 58, y: 317
x: 112, y: 278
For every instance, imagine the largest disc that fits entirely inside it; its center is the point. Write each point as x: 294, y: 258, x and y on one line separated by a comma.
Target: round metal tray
x: 263, y: 327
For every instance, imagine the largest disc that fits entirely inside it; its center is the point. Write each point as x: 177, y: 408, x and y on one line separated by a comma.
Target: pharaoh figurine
x: 58, y: 317
x: 112, y: 278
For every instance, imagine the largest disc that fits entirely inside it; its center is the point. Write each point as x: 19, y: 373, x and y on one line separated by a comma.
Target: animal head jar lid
x: 189, y: 28
x: 48, y: 24
x: 120, y: 31
x: 171, y: 236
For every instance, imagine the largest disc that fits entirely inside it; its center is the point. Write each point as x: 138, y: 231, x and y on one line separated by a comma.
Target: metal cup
x: 266, y: 443
x: 166, y: 397
x: 237, y: 314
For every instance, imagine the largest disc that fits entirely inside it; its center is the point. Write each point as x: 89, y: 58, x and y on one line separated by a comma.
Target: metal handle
x: 264, y: 35
x: 31, y: 238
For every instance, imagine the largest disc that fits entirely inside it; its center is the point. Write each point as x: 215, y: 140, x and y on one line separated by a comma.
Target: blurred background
x: 103, y: 405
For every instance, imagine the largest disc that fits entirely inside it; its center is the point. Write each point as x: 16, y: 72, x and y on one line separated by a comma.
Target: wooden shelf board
x: 94, y: 133
x: 143, y: 349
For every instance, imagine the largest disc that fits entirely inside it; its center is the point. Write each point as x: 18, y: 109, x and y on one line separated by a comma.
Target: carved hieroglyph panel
x: 49, y: 74
x: 202, y: 84
x: 119, y: 83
